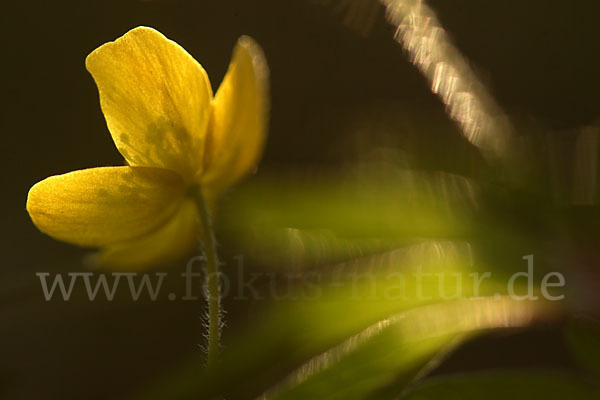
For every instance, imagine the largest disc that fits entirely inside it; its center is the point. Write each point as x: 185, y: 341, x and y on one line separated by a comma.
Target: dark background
x: 538, y: 58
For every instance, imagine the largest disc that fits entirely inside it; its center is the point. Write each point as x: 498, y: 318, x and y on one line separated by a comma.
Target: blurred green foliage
x: 518, y: 385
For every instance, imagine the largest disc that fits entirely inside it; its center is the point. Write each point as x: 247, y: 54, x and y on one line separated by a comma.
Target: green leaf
x: 357, y: 331
x: 381, y: 362
x: 502, y: 385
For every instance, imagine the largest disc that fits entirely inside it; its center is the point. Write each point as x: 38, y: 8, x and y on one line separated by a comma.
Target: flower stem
x: 212, y: 276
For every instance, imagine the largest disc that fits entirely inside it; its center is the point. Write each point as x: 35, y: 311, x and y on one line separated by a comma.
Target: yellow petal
x: 177, y: 238
x: 98, y: 206
x: 155, y: 98
x: 240, y: 113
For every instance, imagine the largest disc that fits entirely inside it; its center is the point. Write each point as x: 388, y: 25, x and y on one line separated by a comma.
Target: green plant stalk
x: 212, y: 276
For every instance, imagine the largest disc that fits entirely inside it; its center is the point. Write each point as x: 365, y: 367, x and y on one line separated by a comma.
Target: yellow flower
x: 173, y: 134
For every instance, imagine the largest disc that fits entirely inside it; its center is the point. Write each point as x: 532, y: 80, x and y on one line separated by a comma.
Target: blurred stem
x: 212, y: 276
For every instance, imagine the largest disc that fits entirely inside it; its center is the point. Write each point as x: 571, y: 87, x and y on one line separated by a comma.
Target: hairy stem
x: 212, y: 276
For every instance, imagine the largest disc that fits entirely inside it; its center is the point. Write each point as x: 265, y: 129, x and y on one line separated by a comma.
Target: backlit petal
x: 177, y: 238
x: 155, y: 98
x: 98, y: 206
x: 240, y: 113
